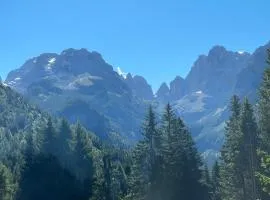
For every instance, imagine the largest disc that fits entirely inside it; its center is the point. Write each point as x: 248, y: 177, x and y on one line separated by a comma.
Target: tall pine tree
x: 146, y: 169
x: 232, y: 180
x: 64, y: 143
x: 83, y: 158
x: 264, y: 109
x: 264, y: 127
x: 215, y: 181
x: 249, y: 130
x: 49, y: 138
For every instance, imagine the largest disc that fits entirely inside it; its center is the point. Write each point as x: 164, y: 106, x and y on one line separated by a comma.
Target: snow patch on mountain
x: 11, y: 83
x: 240, y: 52
x: 51, y: 62
x: 121, y: 73
x: 4, y: 84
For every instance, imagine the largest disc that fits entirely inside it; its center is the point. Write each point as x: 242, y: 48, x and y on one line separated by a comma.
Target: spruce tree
x: 64, y: 143
x: 264, y: 109
x: 264, y: 128
x: 207, y: 178
x: 139, y: 178
x: 154, y: 158
x: 167, y: 130
x: 107, y: 170
x: 83, y: 159
x: 232, y: 180
x: 146, y: 168
x: 30, y: 150
x: 249, y: 130
x: 192, y: 170
x: 65, y: 136
x: 215, y: 180
x: 182, y: 163
x: 49, y: 138
x: 239, y: 157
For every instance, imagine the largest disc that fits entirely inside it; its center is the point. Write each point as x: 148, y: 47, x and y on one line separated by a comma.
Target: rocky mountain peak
x: 217, y: 51
x: 139, y: 87
x: 72, y: 52
x: 177, y: 88
x: 217, y: 72
x: 82, y: 53
x: 164, y: 89
x: 163, y: 93
x: 129, y: 76
x: 249, y: 79
x: 58, y: 67
x: 140, y: 79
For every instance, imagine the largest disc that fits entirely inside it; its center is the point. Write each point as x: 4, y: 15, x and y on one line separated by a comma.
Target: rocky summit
x: 80, y: 85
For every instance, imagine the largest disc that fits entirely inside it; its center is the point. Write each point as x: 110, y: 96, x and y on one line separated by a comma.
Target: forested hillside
x: 46, y: 158
x: 43, y: 157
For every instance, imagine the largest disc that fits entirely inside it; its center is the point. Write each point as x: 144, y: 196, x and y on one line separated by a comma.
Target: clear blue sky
x: 155, y: 38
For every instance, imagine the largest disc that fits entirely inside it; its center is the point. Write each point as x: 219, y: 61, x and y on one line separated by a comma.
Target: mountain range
x: 81, y: 85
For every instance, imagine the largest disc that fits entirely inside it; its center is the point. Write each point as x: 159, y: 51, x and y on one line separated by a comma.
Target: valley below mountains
x: 81, y: 85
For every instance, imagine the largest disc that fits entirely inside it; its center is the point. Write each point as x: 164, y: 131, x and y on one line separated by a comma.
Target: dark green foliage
x: 64, y: 143
x: 206, y: 178
x: 244, y: 173
x: 65, y: 137
x: 44, y: 178
x: 82, y: 154
x: 263, y: 172
x: 166, y: 163
x: 239, y: 157
x: 145, y: 158
x: 48, y: 158
x: 264, y: 108
x: 249, y: 130
x: 49, y: 138
x: 215, y: 182
x: 231, y: 155
x: 7, y: 186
